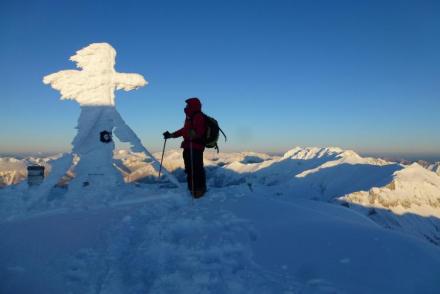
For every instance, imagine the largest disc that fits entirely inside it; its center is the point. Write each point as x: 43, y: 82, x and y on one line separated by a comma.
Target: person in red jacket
x: 193, y: 145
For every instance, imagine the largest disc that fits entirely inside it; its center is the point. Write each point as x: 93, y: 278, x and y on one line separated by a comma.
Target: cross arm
x: 127, y: 82
x: 66, y: 81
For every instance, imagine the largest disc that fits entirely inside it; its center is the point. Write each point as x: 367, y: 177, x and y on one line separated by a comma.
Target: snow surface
x: 269, y: 224
x: 96, y: 164
x: 413, y: 189
x: 233, y: 241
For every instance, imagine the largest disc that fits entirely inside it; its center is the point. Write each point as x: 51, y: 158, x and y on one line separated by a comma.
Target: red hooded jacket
x: 195, y: 124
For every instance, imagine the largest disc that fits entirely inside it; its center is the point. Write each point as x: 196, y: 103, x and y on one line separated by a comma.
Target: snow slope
x: 333, y: 250
x: 297, y: 223
x: 232, y: 241
x: 413, y: 189
x: 409, y: 203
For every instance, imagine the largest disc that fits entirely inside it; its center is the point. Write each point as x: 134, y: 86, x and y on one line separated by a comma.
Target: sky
x: 361, y: 75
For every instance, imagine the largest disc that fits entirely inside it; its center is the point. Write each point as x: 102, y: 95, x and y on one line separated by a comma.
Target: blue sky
x: 363, y: 75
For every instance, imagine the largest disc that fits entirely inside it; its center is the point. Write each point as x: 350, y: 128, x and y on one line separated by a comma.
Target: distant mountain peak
x: 317, y: 152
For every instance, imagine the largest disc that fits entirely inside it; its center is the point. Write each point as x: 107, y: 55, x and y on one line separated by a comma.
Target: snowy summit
x: 312, y: 221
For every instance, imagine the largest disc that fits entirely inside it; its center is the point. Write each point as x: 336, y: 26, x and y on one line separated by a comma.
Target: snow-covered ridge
x: 316, y: 152
x: 432, y: 166
x: 311, y: 172
x: 435, y: 167
x: 412, y: 189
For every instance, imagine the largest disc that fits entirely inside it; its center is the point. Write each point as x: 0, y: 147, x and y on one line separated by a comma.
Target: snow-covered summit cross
x: 93, y: 88
x: 96, y: 82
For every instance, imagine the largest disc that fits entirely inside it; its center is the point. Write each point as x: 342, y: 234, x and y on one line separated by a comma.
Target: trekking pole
x: 192, y: 166
x: 161, y: 160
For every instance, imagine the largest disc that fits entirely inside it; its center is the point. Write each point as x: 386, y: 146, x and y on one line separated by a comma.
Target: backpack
x: 212, y: 132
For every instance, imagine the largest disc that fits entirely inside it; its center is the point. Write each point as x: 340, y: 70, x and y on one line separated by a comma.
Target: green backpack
x: 212, y: 132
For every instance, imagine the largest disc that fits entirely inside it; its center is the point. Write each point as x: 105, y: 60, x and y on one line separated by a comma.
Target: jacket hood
x: 194, y: 104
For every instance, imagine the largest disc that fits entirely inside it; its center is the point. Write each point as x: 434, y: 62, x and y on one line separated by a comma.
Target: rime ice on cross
x: 93, y: 88
x: 96, y: 82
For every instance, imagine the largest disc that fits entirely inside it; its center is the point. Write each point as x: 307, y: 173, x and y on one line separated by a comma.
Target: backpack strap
x: 226, y: 139
x: 201, y: 140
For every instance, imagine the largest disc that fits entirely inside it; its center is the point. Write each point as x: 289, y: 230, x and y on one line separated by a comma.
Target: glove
x: 167, y: 135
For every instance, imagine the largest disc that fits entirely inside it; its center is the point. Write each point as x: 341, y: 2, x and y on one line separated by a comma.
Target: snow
x: 313, y: 221
x: 333, y: 250
x: 93, y: 88
x: 13, y: 170
x: 269, y: 224
x: 316, y: 173
x: 97, y: 80
x: 412, y: 189
x: 232, y: 241
x: 435, y: 167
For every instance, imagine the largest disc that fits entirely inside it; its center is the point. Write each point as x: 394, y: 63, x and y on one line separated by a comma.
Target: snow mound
x: 412, y: 189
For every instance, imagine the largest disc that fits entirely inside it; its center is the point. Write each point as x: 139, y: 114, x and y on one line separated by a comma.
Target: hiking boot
x: 198, y: 193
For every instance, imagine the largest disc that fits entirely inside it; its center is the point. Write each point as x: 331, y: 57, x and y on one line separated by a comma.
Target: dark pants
x: 198, y: 170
